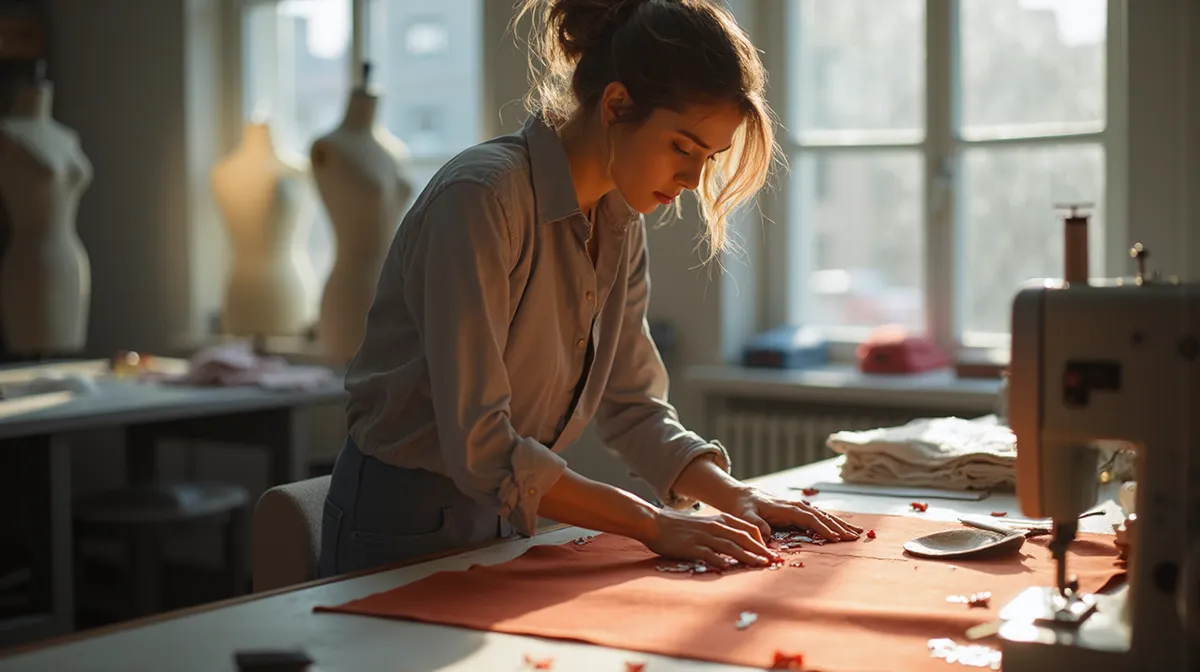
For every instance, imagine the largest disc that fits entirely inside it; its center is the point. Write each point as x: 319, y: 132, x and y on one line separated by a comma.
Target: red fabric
x: 853, y: 606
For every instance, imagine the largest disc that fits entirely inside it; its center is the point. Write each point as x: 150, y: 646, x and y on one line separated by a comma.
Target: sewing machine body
x: 1114, y: 362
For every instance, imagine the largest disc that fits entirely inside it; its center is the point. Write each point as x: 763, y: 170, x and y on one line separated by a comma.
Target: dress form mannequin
x: 45, y: 276
x: 362, y: 176
x: 270, y: 281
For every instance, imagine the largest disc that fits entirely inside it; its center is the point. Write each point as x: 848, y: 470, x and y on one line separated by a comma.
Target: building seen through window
x: 425, y: 62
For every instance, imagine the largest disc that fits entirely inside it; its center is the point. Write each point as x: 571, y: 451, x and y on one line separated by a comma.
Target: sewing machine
x: 1112, y: 360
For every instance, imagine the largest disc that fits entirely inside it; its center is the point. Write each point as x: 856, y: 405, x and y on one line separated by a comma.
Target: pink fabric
x: 851, y: 607
x: 236, y: 364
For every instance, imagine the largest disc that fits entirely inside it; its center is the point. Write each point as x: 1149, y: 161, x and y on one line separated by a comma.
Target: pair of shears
x: 1031, y: 528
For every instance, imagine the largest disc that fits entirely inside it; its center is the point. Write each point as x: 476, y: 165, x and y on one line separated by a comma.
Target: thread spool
x: 1075, y: 247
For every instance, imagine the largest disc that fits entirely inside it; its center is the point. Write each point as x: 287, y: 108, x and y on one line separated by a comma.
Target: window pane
x: 861, y: 216
x: 1011, y: 232
x: 1032, y: 61
x: 297, y: 68
x: 430, y: 77
x: 857, y: 64
x: 296, y: 71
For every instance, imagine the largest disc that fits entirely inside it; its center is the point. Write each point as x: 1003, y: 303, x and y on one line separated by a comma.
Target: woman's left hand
x: 767, y: 512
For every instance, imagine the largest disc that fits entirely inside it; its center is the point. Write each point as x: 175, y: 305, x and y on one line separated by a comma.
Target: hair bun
x: 584, y: 24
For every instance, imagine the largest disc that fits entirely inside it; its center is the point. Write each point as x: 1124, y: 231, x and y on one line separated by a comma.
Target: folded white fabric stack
x: 949, y: 453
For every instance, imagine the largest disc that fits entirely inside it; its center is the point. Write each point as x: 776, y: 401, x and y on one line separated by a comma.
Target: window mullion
x: 784, y: 263
x: 941, y: 244
x: 232, y: 114
x: 1114, y: 257
x: 358, y: 39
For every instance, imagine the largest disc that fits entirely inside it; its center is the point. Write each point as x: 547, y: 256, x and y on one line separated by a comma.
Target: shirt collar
x: 553, y: 190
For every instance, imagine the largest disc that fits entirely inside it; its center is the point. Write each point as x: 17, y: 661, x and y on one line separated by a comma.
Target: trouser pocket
x: 365, y: 550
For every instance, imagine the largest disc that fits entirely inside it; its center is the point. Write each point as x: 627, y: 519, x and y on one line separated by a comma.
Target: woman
x: 511, y: 309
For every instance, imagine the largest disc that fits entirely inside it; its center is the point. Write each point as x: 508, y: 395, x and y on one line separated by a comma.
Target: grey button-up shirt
x: 493, y: 340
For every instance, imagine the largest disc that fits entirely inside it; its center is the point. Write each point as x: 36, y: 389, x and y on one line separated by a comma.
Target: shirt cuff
x: 535, y: 469
x: 674, y: 500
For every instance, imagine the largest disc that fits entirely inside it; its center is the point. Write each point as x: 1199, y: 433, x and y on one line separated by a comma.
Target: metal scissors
x: 1032, y: 528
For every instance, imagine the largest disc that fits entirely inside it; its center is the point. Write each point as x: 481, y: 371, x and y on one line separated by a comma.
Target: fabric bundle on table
x: 236, y: 364
x: 949, y: 453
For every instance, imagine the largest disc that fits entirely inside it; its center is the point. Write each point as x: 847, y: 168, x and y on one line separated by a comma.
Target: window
x: 930, y: 143
x: 301, y: 58
x: 426, y: 37
x: 296, y: 73
x: 432, y: 79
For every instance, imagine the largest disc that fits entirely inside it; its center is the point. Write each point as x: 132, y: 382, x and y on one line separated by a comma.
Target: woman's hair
x: 668, y: 54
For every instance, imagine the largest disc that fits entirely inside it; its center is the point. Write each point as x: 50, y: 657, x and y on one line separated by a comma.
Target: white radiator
x: 766, y: 442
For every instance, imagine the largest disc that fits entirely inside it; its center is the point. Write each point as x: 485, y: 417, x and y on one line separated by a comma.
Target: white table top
x: 207, y: 641
x: 125, y: 401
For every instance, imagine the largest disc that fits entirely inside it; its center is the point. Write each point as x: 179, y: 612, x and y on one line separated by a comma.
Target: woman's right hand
x: 711, y: 539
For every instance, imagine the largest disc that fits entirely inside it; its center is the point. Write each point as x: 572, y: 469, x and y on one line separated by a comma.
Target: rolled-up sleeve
x: 456, y: 284
x: 634, y: 419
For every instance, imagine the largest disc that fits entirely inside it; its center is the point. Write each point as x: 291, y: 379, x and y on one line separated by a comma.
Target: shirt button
x: 589, y: 296
x: 532, y: 491
x: 581, y: 343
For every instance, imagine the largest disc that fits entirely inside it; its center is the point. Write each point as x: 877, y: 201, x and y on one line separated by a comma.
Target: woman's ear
x: 615, y: 103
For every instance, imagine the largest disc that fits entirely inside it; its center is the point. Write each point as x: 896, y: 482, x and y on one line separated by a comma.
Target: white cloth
x: 950, y: 453
x: 236, y: 364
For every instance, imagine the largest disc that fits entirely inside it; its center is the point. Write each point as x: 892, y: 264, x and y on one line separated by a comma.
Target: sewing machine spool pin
x: 1139, y: 254
x: 1075, y: 248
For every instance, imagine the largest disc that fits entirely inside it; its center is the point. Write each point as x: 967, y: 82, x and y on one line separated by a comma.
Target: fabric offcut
x: 951, y: 454
x: 852, y: 606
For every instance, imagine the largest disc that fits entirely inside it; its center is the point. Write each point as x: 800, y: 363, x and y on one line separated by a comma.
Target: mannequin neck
x: 360, y: 111
x: 34, y: 100
x: 257, y: 138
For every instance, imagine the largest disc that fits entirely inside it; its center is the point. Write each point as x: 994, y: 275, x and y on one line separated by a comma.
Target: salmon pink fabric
x: 852, y: 606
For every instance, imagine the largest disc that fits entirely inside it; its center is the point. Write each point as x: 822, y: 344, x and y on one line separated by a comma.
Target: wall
x: 13, y: 74
x: 1164, y: 133
x: 128, y: 107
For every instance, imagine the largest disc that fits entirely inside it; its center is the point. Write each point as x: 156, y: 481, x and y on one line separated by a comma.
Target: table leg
x: 236, y: 532
x: 141, y: 453
x: 289, y: 459
x: 40, y: 486
x: 147, y: 572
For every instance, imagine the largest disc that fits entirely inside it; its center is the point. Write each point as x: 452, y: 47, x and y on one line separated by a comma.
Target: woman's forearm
x: 707, y: 482
x: 580, y: 501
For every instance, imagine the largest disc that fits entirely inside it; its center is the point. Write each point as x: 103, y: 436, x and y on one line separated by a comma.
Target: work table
x: 206, y: 638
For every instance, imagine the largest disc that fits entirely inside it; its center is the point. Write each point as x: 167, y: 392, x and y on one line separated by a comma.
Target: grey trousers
x: 378, y: 514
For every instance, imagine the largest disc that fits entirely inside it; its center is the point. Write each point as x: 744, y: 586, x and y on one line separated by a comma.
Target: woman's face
x: 652, y: 162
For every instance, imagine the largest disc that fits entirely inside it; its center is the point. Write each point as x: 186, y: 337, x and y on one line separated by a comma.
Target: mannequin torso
x: 45, y: 276
x: 361, y: 174
x: 270, y: 281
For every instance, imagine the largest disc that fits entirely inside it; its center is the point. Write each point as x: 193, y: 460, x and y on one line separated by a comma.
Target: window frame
x: 942, y: 146
x: 232, y: 117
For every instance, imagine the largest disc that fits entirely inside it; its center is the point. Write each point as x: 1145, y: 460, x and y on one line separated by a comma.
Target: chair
x: 142, y: 515
x: 286, y: 539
